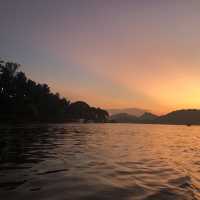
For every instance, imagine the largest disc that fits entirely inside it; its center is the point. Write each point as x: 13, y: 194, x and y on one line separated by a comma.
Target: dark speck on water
x: 99, y: 162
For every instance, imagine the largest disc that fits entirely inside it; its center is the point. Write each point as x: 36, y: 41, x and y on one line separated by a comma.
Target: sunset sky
x: 109, y: 53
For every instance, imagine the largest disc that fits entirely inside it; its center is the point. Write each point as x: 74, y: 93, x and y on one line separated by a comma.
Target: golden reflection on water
x: 101, y: 161
x: 152, y: 155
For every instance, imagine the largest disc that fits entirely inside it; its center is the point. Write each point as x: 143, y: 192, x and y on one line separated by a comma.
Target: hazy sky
x: 110, y: 53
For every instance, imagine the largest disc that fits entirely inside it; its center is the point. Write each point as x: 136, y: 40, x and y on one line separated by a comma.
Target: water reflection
x: 99, y: 161
x: 22, y: 145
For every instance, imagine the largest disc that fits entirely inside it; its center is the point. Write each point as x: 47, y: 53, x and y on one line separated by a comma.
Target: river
x: 99, y: 162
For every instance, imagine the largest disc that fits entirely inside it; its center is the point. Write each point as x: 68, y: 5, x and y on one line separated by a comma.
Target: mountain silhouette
x: 189, y: 116
x: 148, y: 116
x: 131, y: 111
x: 124, y: 118
x: 182, y: 117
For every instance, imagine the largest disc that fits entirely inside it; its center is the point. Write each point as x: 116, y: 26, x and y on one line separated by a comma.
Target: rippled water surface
x: 99, y: 161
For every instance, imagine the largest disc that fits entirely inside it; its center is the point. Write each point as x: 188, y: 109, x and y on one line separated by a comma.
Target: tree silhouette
x: 22, y: 99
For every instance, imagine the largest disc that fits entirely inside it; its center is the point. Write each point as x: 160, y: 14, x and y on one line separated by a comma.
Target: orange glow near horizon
x: 111, y: 54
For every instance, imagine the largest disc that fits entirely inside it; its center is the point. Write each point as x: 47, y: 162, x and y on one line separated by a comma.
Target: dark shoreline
x: 75, y: 122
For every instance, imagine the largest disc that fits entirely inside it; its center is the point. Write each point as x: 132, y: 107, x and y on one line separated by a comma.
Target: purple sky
x: 110, y: 53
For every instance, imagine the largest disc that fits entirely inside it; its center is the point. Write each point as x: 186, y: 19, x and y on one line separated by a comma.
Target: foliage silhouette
x: 81, y: 110
x: 22, y: 99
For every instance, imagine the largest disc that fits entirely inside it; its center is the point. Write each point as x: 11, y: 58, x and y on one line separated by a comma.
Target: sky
x: 109, y: 53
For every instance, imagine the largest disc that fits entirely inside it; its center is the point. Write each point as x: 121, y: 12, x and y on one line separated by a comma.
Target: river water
x: 99, y: 162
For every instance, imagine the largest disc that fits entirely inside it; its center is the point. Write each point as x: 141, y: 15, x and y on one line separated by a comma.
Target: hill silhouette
x: 124, y: 118
x: 147, y: 116
x: 22, y: 100
x: 131, y: 111
x: 189, y: 116
x: 127, y: 118
x: 184, y: 117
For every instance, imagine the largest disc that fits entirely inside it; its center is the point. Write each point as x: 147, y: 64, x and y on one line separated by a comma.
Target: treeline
x: 22, y: 99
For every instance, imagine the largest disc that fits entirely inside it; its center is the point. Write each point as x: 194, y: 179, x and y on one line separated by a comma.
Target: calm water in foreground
x: 99, y: 161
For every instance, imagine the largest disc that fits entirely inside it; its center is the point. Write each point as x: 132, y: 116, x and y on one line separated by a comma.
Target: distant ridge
x: 189, y: 116
x: 148, y: 116
x: 184, y: 117
x: 131, y: 111
x: 124, y: 118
